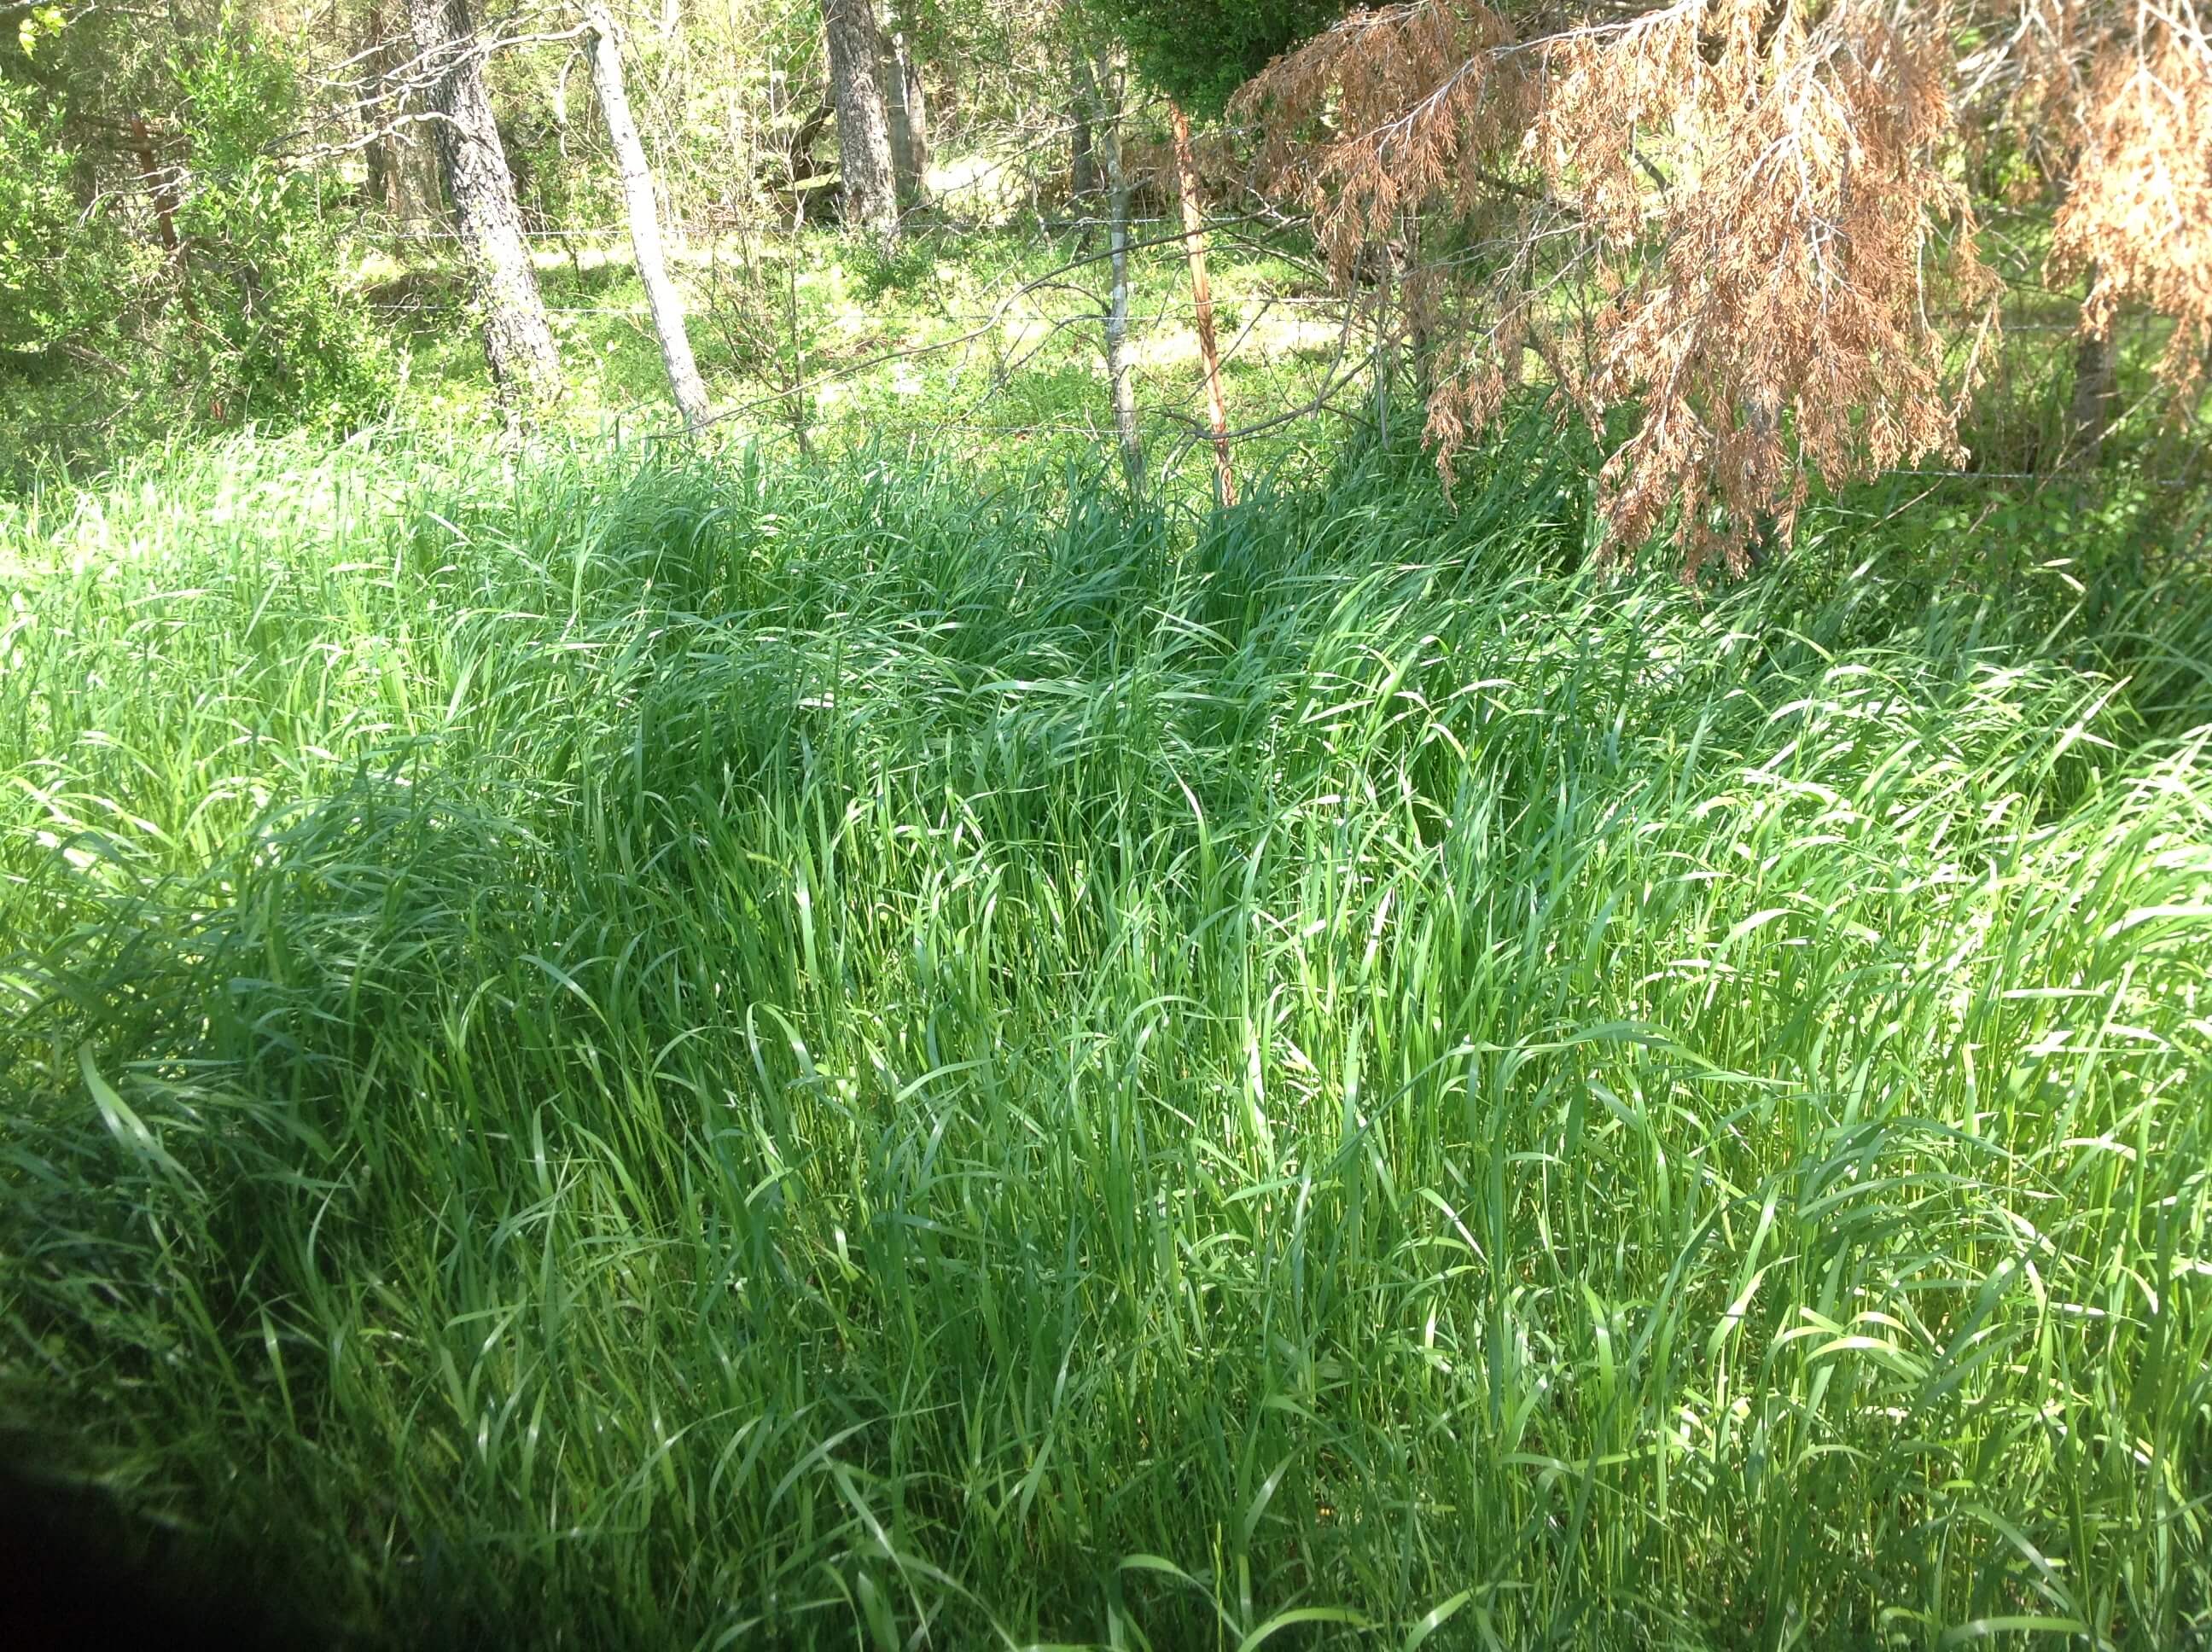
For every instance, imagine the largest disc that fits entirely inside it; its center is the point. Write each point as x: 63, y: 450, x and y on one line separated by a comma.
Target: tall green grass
x: 626, y: 1054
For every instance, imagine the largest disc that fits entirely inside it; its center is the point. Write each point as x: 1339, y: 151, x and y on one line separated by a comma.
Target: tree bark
x: 1120, y: 371
x: 162, y: 191
x: 426, y: 200
x: 1386, y: 342
x: 864, y: 136
x: 2096, y: 388
x: 799, y: 163
x: 376, y: 155
x: 1417, y: 297
x: 916, y: 111
x: 909, y: 120
x: 518, y: 338
x: 159, y: 189
x: 1201, y: 299
x: 660, y: 295
x: 917, y: 116
x: 1083, y: 158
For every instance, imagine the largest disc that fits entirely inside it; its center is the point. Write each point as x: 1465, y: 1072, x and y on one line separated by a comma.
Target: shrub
x: 109, y: 339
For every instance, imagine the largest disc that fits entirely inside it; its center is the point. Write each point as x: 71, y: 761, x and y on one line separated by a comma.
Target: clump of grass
x: 634, y: 1054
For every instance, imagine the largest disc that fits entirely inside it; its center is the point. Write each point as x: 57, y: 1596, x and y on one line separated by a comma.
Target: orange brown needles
x: 1746, y: 218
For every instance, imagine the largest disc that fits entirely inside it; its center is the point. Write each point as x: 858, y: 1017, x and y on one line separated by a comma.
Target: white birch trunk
x: 661, y: 293
x: 1121, y: 370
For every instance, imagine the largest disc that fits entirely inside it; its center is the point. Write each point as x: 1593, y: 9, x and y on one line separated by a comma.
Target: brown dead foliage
x: 2137, y: 217
x: 1746, y: 218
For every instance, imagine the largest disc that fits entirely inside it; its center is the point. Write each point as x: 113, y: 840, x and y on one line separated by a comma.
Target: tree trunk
x: 660, y: 295
x: 1416, y: 294
x: 161, y: 190
x: 2096, y: 386
x: 376, y: 155
x: 1120, y: 371
x: 909, y: 118
x: 377, y: 190
x: 1386, y: 343
x: 864, y: 136
x: 518, y: 338
x: 917, y: 116
x: 1201, y: 299
x: 1083, y: 159
x: 431, y: 205
x: 800, y: 163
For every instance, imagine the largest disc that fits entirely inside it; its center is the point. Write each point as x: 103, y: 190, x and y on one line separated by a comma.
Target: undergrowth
x: 624, y: 1053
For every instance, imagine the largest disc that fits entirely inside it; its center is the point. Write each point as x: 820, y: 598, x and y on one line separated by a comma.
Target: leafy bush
x: 105, y: 340
x: 1201, y: 50
x: 64, y: 272
x: 276, y: 336
x: 55, y: 258
x: 908, y: 266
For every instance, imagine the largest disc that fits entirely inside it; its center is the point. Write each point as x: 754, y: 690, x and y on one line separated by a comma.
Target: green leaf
x: 1301, y: 1615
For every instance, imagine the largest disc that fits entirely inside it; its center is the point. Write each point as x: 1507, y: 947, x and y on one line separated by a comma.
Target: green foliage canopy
x: 52, y: 252
x: 1199, y: 51
x: 279, y: 335
x: 107, y: 336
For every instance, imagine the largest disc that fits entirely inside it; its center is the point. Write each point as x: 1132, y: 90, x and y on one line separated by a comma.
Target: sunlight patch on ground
x: 1275, y: 334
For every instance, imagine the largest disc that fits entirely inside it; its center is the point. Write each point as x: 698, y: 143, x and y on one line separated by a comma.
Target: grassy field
x: 616, y: 1051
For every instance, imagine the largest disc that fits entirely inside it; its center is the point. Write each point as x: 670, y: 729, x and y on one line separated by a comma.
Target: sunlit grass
x: 642, y: 1053
x: 963, y: 346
